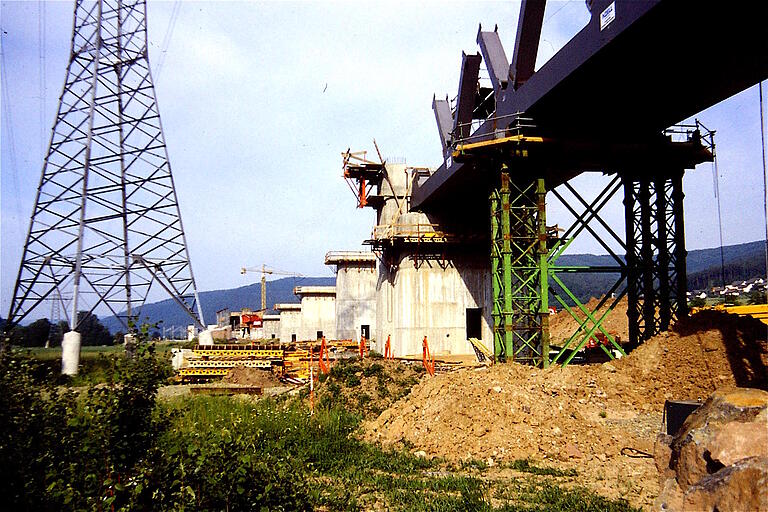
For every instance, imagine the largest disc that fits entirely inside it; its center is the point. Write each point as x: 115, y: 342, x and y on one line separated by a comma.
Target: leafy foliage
x: 62, y: 451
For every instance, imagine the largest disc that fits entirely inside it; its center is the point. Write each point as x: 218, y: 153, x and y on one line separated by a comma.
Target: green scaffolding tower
x: 519, y: 270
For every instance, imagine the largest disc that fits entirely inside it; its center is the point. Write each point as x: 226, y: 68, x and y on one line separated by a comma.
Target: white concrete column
x: 205, y: 337
x: 70, y: 353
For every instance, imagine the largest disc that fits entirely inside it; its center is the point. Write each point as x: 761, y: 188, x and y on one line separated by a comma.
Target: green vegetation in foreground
x: 116, y: 446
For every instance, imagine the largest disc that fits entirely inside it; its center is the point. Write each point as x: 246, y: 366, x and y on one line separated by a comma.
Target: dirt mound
x: 577, y: 416
x: 251, y: 377
x: 367, y: 387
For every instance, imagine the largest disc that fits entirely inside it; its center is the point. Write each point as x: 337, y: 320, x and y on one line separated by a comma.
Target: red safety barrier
x: 324, y: 361
x: 427, y: 360
x: 311, y: 385
x: 388, y: 354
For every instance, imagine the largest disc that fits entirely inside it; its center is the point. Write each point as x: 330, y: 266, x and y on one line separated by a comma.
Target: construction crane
x: 264, y: 271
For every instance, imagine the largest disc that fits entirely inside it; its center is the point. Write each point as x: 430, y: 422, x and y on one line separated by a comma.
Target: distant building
x: 356, y: 278
x: 318, y: 312
x: 290, y: 321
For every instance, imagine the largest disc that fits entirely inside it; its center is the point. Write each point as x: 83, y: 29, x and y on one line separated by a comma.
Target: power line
x: 167, y: 38
x: 9, y: 131
x: 41, y: 46
x: 765, y: 178
x: 555, y: 13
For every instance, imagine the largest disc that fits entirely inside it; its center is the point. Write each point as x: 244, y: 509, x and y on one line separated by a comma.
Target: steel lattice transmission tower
x: 106, y: 225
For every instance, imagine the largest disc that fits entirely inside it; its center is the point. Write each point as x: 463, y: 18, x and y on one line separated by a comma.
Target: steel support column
x: 655, y: 241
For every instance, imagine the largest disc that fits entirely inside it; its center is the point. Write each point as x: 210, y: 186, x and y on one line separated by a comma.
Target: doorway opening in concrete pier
x: 474, y: 323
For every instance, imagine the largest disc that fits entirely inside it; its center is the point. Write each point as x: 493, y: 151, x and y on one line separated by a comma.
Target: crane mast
x: 264, y: 271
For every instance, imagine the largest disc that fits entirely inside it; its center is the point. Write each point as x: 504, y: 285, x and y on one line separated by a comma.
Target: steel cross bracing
x: 589, y: 322
x: 106, y: 225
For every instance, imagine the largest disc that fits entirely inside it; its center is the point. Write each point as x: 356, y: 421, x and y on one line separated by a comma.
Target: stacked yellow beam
x: 216, y: 361
x: 758, y: 311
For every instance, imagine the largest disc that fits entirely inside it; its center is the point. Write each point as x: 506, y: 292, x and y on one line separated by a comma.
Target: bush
x: 59, y: 450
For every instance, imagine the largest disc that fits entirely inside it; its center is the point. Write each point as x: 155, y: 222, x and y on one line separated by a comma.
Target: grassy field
x: 118, y: 447
x: 96, y: 363
x: 342, y: 472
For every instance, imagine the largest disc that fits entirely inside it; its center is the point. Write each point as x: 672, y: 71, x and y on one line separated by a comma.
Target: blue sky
x: 258, y: 100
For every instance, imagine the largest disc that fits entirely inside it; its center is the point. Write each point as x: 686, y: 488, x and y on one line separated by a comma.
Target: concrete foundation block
x: 70, y: 353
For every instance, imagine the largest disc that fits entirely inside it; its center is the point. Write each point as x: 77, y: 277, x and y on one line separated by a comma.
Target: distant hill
x: 278, y: 291
x: 742, y: 261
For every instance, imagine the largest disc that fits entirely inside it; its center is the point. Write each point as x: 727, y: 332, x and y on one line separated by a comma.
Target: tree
x: 36, y: 333
x: 91, y: 330
x: 757, y: 297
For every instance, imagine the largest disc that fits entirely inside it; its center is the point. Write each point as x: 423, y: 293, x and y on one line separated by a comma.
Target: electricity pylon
x: 106, y: 225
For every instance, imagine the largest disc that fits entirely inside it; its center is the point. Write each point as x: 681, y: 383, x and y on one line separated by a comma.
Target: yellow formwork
x: 202, y: 372
x: 239, y: 354
x: 264, y: 363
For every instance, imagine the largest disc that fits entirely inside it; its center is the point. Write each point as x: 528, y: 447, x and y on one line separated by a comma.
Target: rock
x: 421, y: 454
x: 573, y: 452
x: 497, y: 389
x: 736, y: 441
x: 706, y: 431
x: 670, y: 498
x: 741, y: 486
x: 385, y: 416
x: 662, y: 453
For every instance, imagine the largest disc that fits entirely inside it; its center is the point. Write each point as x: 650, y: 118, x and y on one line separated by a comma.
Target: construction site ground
x: 523, y: 430
x: 596, y: 420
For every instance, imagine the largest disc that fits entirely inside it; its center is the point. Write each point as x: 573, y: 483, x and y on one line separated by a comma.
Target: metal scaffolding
x: 106, y: 224
x: 519, y: 270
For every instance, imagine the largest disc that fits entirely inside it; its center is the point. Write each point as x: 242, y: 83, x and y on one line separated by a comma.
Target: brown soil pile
x: 579, y: 416
x: 562, y: 324
x: 251, y: 377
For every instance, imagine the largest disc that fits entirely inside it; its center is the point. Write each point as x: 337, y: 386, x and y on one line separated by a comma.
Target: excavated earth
x: 591, y: 418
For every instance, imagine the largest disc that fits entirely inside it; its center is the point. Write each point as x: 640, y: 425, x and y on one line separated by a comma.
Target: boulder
x: 740, y: 486
x: 718, y: 429
x: 719, y: 459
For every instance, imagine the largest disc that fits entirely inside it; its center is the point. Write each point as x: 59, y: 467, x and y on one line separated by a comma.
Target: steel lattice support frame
x: 590, y: 323
x: 656, y: 269
x: 106, y: 224
x: 519, y: 270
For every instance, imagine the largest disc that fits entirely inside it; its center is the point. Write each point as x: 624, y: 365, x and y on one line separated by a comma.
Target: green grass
x: 96, y: 363
x: 216, y: 453
x: 345, y: 473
